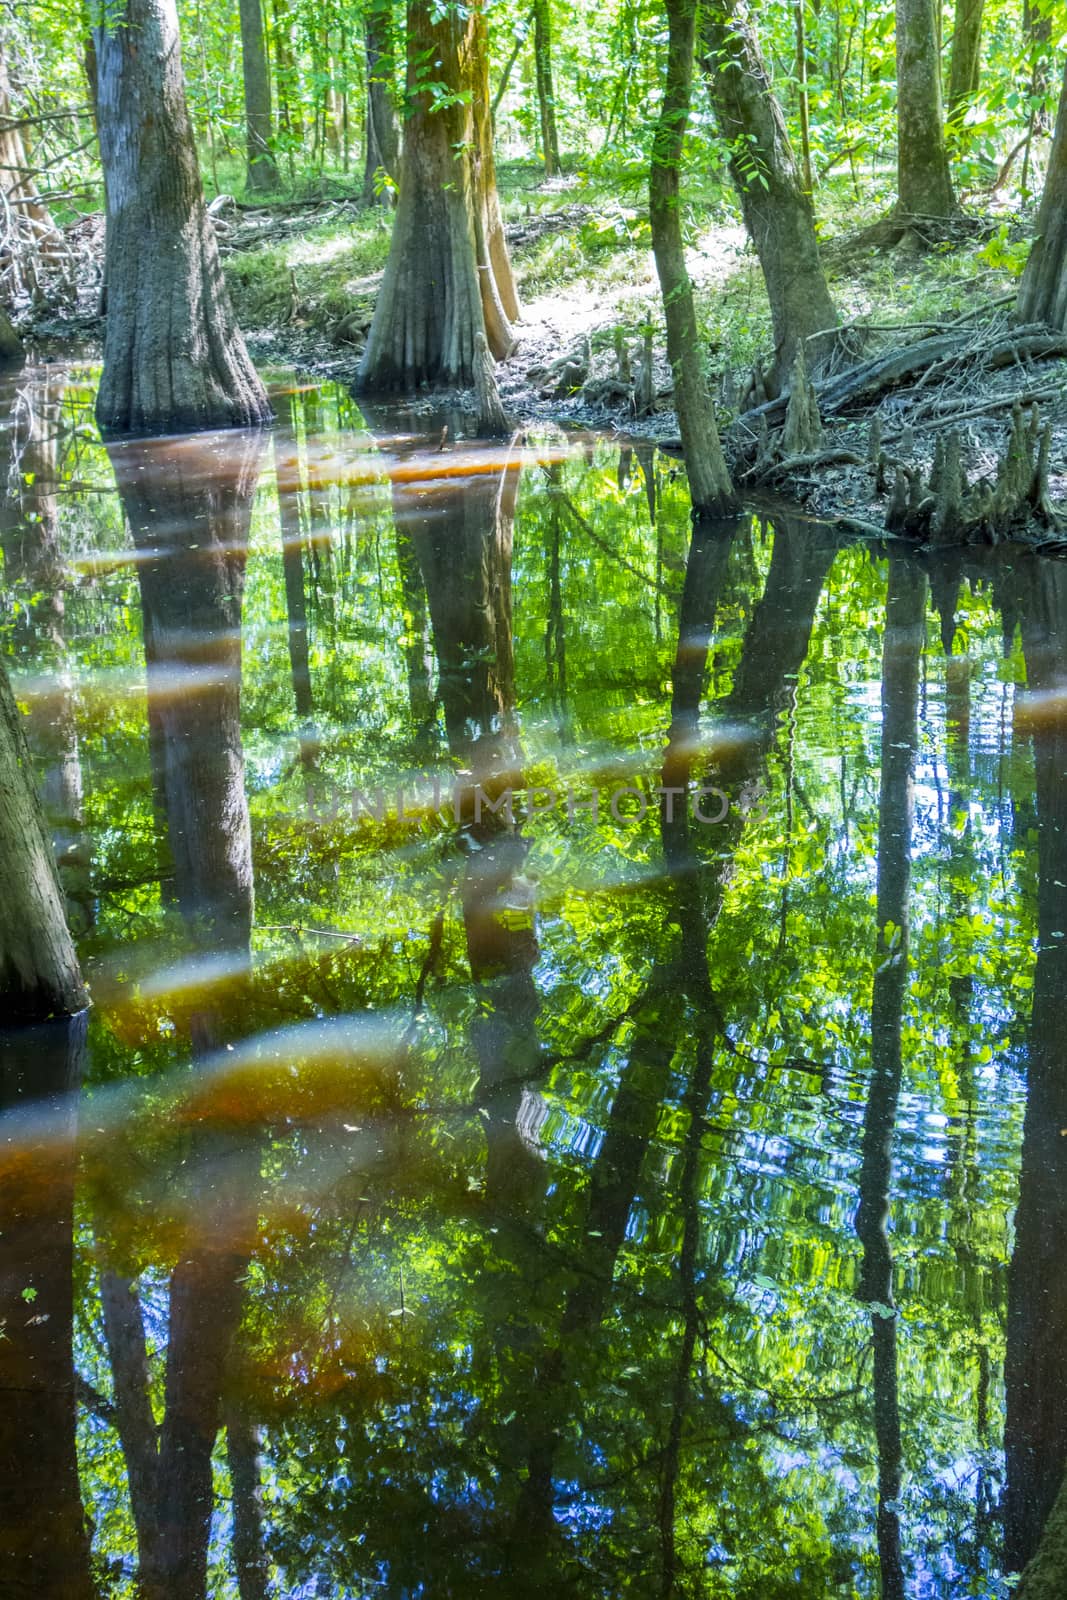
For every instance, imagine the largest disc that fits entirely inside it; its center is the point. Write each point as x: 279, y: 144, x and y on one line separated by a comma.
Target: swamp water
x: 456, y: 1190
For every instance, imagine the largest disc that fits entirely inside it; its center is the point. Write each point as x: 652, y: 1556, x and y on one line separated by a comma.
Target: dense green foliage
x: 608, y: 65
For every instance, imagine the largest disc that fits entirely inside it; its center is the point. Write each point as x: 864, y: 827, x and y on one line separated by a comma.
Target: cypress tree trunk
x: 448, y: 276
x: 778, y: 213
x: 39, y: 973
x: 383, y: 138
x: 924, y: 184
x: 546, y: 97
x: 1043, y: 290
x: 173, y: 355
x: 709, y: 480
x: 963, y: 74
x: 262, y: 169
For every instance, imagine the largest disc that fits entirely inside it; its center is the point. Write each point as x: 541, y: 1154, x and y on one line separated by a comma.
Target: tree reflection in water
x: 531, y: 1203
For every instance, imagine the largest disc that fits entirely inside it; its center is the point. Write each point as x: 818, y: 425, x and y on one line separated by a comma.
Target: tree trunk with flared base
x: 383, y: 139
x: 1043, y: 291
x: 448, y: 276
x: 924, y: 183
x: 778, y: 213
x: 262, y: 169
x: 174, y: 358
x: 709, y: 481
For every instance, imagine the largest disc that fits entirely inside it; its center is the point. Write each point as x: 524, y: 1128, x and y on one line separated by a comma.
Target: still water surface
x: 665, y: 1200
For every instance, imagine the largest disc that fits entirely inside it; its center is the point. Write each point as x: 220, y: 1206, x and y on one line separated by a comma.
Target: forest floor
x: 304, y: 277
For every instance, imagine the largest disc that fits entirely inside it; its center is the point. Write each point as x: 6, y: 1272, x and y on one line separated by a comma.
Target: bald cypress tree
x: 448, y: 277
x: 174, y: 358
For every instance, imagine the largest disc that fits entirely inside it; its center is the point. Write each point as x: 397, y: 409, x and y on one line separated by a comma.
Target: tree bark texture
x: 448, y: 276
x: 262, y: 168
x: 382, y: 135
x: 39, y: 972
x: 1043, y: 290
x: 778, y: 213
x: 924, y: 183
x: 709, y: 480
x: 174, y: 358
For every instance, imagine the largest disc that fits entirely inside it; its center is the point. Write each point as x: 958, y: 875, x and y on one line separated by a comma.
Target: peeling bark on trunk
x: 778, y: 213
x: 924, y: 183
x: 262, y: 169
x: 448, y: 276
x: 383, y: 138
x: 174, y: 358
x: 44, y: 1538
x: 546, y: 96
x: 1043, y: 290
x: 709, y: 481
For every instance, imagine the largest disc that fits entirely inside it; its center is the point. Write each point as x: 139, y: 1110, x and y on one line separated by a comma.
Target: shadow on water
x: 575, y: 1018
